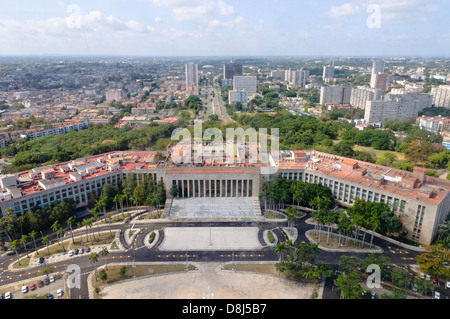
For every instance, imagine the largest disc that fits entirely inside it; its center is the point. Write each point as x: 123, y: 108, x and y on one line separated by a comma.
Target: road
x: 138, y: 252
x: 214, y: 103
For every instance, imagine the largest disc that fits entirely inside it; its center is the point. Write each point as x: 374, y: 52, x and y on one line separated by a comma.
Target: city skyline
x: 225, y: 28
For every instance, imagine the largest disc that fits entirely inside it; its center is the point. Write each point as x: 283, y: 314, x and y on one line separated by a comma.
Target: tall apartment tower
x: 335, y: 95
x: 191, y: 73
x: 400, y: 107
x: 361, y: 94
x: 441, y: 96
x: 245, y: 83
x: 328, y: 72
x: 378, y: 77
x: 231, y: 69
x: 296, y: 78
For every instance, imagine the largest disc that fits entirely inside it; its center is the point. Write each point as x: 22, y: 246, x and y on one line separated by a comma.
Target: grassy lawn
x: 114, y: 275
x: 333, y: 241
x: 378, y: 153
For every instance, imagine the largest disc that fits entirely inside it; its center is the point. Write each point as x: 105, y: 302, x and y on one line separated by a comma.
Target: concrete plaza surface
x: 198, y: 208
x: 210, y: 282
x: 210, y: 238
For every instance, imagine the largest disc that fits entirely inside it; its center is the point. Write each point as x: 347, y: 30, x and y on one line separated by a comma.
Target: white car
x: 51, y: 278
x: 59, y: 293
x: 447, y: 284
x: 71, y: 253
x: 24, y: 289
x: 8, y: 295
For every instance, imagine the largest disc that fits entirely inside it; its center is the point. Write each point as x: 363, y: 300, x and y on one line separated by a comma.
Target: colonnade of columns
x: 214, y: 188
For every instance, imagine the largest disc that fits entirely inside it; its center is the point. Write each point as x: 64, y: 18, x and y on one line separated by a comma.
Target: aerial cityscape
x: 196, y: 150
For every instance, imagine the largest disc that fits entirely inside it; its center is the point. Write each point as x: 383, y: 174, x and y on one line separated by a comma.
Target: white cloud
x: 191, y: 10
x: 347, y: 9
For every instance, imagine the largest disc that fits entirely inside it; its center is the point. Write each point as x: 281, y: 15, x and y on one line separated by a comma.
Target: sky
x: 225, y: 27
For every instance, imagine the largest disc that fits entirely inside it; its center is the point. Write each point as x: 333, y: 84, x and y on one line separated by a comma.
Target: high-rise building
x: 231, y: 70
x: 361, y: 94
x: 335, y: 95
x: 296, y: 78
x: 191, y: 73
x: 400, y: 107
x: 380, y: 81
x: 328, y: 72
x: 378, y: 67
x: 245, y: 83
x: 441, y: 96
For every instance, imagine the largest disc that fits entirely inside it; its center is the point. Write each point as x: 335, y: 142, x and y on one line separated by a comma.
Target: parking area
x: 50, y: 284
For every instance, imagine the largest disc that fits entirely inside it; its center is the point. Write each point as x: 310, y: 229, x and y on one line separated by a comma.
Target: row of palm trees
x: 347, y: 225
x: 60, y: 232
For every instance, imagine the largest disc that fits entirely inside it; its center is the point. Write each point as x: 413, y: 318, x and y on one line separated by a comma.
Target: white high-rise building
x: 400, y: 107
x: 335, y: 94
x: 328, y: 72
x: 245, y: 83
x: 378, y: 67
x: 191, y: 73
x: 361, y: 94
x: 441, y: 96
x: 296, y: 78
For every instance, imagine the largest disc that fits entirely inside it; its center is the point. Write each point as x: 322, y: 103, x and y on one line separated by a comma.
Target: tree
x: 33, y: 236
x: 69, y: 222
x: 94, y: 259
x: 349, y: 284
x: 434, y: 260
x: 424, y: 286
x: 104, y: 252
x: 46, y: 240
x: 60, y: 233
x: 15, y: 244
x: 23, y: 241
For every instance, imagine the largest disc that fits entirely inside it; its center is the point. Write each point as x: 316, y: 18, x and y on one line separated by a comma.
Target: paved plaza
x: 222, y: 208
x: 210, y: 238
x: 210, y: 282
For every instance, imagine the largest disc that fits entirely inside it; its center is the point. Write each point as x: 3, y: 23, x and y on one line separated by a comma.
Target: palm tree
x: 94, y: 258
x: 86, y: 224
x: 23, y: 240
x: 104, y: 252
x: 375, y: 222
x: 60, y: 233
x: 55, y: 228
x: 281, y: 249
x: 15, y: 245
x: 33, y: 235
x: 46, y: 240
x: 69, y: 222
x: 94, y: 219
x: 109, y: 221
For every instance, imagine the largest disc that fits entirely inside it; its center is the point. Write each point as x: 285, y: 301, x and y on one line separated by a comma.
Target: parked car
x: 435, y: 280
x: 87, y: 249
x: 51, y: 278
x: 8, y: 295
x: 75, y: 251
x: 71, y: 253
x: 437, y: 295
x: 59, y: 293
x: 40, y: 283
x: 41, y: 260
x: 32, y: 286
x: 46, y: 281
x: 49, y: 296
x: 447, y: 284
x: 24, y: 289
